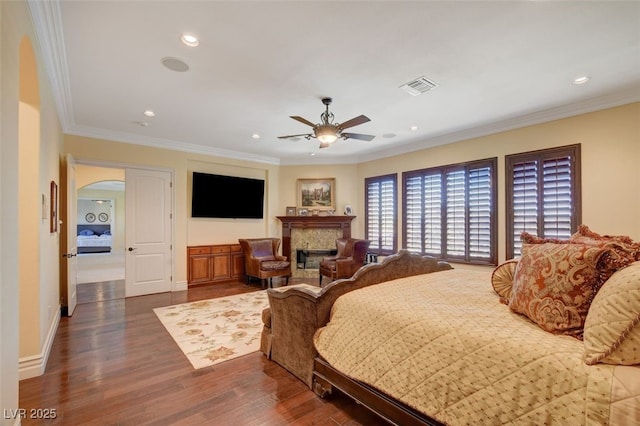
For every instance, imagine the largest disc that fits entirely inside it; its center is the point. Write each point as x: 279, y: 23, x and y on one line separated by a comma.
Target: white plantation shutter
x: 432, y: 215
x: 413, y: 222
x: 525, y: 201
x: 381, y: 214
x: 557, y: 197
x: 456, y: 213
x: 448, y: 212
x: 543, y: 195
x: 480, y: 207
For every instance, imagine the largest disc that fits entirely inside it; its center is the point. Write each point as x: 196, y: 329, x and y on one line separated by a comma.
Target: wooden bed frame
x: 325, y: 378
x: 296, y: 312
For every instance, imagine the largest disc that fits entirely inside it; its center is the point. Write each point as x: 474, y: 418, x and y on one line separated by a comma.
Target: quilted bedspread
x: 443, y: 344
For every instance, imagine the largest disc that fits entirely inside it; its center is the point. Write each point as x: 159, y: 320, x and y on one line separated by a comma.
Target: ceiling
x: 497, y: 66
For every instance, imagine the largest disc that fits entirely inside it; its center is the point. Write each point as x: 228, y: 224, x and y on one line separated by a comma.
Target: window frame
x: 539, y: 156
x: 467, y: 258
x: 393, y: 177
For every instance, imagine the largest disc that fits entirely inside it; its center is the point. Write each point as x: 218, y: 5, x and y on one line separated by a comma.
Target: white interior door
x: 148, y: 232
x: 72, y: 241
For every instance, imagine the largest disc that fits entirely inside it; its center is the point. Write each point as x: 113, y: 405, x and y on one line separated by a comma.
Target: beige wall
x: 34, y: 102
x: 610, y: 148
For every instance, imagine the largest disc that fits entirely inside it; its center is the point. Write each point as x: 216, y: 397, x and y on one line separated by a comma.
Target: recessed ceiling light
x: 149, y: 113
x: 255, y: 136
x: 312, y: 154
x: 413, y: 128
x: 189, y: 40
x: 581, y: 79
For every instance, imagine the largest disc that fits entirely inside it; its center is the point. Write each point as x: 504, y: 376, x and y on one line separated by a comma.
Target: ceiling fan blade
x: 361, y: 119
x: 306, y: 135
x: 358, y: 136
x: 303, y: 120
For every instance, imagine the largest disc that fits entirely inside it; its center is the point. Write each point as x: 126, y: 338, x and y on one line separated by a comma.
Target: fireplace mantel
x: 318, y: 222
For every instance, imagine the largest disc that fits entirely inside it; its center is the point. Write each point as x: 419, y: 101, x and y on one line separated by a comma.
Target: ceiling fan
x: 327, y: 132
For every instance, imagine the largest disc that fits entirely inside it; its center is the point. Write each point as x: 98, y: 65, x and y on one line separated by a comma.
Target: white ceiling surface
x: 498, y: 65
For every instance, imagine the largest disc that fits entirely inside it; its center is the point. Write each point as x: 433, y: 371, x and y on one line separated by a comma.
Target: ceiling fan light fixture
x: 326, y: 133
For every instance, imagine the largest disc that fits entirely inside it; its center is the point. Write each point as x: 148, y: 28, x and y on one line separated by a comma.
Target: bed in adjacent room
x: 94, y: 239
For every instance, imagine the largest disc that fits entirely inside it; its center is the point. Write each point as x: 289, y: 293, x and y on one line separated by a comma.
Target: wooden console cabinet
x: 216, y: 263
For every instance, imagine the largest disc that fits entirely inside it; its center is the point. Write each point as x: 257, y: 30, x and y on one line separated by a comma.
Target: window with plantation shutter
x: 449, y: 212
x: 543, y: 194
x: 381, y: 214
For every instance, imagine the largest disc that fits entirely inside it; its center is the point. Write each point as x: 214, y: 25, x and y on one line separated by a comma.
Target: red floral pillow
x: 625, y: 246
x: 554, y: 285
x: 620, y: 250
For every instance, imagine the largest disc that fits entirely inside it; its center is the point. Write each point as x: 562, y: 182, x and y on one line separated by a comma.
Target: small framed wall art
x: 53, y: 216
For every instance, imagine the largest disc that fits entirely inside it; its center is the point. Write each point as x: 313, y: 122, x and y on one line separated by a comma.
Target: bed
x: 94, y: 239
x: 422, y: 344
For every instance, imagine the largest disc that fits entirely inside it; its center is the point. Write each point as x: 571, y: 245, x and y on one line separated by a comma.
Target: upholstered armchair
x: 261, y: 259
x: 349, y: 258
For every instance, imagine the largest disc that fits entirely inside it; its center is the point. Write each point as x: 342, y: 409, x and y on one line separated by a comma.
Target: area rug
x: 216, y: 330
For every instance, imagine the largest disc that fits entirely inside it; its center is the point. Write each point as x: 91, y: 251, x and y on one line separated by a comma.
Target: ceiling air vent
x: 418, y: 86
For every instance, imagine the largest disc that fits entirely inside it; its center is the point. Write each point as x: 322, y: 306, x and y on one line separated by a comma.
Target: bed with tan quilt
x: 550, y: 338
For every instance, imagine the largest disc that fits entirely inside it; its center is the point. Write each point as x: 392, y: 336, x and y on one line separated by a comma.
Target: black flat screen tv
x: 230, y: 197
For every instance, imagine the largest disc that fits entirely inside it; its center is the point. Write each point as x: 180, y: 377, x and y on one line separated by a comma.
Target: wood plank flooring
x: 113, y: 363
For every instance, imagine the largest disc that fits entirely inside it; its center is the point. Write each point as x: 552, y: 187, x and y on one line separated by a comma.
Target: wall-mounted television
x: 219, y: 196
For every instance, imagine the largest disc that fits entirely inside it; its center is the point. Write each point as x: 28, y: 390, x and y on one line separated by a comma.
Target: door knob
x: 132, y: 248
x: 69, y: 255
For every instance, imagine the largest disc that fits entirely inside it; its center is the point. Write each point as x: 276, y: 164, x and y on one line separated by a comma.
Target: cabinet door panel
x: 221, y: 267
x: 237, y: 265
x: 199, y: 269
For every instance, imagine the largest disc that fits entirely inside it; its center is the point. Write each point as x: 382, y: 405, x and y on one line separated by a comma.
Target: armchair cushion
x: 274, y: 265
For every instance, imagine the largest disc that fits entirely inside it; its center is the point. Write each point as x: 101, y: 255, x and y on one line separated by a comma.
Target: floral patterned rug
x: 216, y: 330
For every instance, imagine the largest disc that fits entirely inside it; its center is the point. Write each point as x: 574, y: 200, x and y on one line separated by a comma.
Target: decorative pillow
x: 621, y: 250
x: 612, y: 327
x: 554, y: 284
x: 626, y: 246
x: 502, y: 279
x: 86, y: 232
x: 527, y: 238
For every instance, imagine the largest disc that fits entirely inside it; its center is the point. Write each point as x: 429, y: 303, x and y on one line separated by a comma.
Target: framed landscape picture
x: 317, y: 193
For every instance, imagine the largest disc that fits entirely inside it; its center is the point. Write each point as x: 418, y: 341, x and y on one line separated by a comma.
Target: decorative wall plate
x: 90, y: 217
x: 103, y: 217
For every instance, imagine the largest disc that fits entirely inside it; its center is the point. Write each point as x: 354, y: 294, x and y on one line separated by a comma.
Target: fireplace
x: 312, y: 234
x: 311, y: 258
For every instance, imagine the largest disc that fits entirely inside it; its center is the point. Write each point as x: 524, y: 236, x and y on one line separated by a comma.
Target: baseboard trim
x: 34, y: 365
x: 180, y: 286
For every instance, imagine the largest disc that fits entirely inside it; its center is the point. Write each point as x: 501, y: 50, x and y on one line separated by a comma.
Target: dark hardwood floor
x: 114, y: 363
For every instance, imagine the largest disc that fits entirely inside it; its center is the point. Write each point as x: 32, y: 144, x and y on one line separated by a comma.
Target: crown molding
x: 95, y: 133
x: 47, y: 23
x: 622, y: 97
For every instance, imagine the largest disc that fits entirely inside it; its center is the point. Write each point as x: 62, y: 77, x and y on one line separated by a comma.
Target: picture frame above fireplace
x: 317, y: 194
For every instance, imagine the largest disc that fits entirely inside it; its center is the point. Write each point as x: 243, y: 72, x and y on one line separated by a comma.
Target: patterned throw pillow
x: 620, y: 250
x: 612, y: 327
x: 502, y: 279
x: 624, y: 246
x: 554, y: 285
